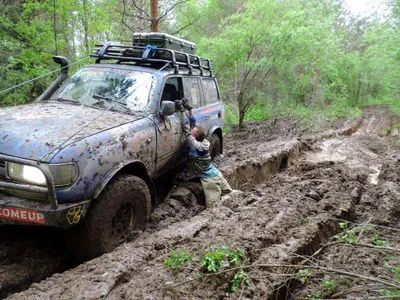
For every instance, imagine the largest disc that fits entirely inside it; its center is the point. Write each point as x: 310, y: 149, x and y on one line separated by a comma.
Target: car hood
x: 39, y: 130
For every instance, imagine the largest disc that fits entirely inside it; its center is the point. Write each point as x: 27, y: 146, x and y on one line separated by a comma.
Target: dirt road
x: 297, y: 191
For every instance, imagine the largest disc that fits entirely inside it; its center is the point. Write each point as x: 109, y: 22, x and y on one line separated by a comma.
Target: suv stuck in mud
x: 85, y: 153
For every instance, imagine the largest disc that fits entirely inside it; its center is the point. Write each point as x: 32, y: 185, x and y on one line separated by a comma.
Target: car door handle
x: 207, y: 117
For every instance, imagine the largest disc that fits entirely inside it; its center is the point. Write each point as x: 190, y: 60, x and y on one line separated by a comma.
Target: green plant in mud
x: 347, y: 235
x: 394, y: 269
x: 391, y: 293
x: 239, y: 279
x: 329, y: 285
x: 177, y: 259
x: 304, y: 275
x: 214, y: 259
x: 314, y: 295
x: 378, y: 241
x: 217, y: 259
x: 388, y: 129
x: 307, y: 220
x: 388, y: 257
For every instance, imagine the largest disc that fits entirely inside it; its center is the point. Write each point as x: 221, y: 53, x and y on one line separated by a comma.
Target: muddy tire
x: 115, y: 217
x: 215, y: 145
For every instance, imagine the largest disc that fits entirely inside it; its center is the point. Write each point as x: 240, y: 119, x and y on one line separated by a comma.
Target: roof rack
x: 153, y: 56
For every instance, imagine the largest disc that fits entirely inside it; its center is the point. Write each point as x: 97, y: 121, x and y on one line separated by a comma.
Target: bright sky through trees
x: 366, y: 7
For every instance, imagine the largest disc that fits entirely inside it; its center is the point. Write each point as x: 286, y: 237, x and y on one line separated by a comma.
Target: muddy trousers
x: 214, y: 188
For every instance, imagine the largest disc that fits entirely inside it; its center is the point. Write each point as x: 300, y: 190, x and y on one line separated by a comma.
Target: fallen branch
x: 328, y: 270
x: 362, y: 288
x: 355, y: 245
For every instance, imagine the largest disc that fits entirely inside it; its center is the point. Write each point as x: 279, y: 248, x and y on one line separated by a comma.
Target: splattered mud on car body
x: 48, y: 126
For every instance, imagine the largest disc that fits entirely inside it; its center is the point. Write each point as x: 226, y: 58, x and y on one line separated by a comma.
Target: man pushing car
x: 199, y: 162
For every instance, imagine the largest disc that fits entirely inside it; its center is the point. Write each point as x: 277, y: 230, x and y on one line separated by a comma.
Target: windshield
x: 109, y: 88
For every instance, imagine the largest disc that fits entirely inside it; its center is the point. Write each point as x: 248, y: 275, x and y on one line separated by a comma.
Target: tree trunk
x: 85, y: 26
x: 241, y: 121
x: 140, y: 17
x: 55, y: 27
x: 154, y: 16
x: 240, y: 100
x: 315, y: 83
x: 359, y: 83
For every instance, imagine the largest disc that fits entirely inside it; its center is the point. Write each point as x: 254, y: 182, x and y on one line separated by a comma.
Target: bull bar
x: 49, y: 190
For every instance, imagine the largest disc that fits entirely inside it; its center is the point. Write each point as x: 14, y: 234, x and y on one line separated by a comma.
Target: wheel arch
x: 218, y: 131
x: 136, y: 168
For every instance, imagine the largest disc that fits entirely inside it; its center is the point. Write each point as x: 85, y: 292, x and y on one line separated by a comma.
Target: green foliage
x: 214, y: 259
x: 304, y: 275
x: 308, y: 59
x: 394, y: 269
x: 307, y: 220
x: 177, y: 259
x: 239, y: 279
x: 378, y: 241
x: 304, y: 54
x: 348, y: 235
x: 391, y: 293
x: 388, y: 257
x: 314, y: 295
x: 329, y: 285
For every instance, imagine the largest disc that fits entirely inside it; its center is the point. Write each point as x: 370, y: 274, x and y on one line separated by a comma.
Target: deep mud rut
x: 295, y: 188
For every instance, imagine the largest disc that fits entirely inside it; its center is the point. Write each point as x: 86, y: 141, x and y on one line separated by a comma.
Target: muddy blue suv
x: 85, y: 153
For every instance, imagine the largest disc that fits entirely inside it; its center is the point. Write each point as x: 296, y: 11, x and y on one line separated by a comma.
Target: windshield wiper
x: 113, y: 101
x: 98, y: 97
x: 67, y: 100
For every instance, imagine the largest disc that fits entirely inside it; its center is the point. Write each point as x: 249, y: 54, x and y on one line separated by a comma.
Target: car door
x: 169, y: 131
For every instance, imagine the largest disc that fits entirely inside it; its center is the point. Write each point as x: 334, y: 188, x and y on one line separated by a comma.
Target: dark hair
x: 200, y: 134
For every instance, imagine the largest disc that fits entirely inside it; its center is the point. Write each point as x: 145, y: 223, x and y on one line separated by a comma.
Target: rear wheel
x: 215, y: 145
x: 115, y: 217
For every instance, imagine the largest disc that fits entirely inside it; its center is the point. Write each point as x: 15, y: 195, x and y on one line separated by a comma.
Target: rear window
x: 210, y: 90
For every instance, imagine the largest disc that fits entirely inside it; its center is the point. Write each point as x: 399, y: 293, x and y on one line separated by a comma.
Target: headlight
x: 26, y: 174
x: 63, y: 174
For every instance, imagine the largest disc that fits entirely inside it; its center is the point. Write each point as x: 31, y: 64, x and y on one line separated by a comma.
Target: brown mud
x: 294, y: 187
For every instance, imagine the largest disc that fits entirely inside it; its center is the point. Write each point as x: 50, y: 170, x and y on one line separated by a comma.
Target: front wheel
x: 120, y: 211
x: 215, y: 145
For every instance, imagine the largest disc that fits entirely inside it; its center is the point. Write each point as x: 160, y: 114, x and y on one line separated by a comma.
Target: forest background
x: 308, y: 58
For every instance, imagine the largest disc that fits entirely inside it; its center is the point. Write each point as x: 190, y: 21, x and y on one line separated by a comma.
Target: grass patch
x: 393, y: 103
x: 312, y: 117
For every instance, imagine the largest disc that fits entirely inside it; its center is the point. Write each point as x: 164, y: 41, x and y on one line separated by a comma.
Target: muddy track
x: 284, y: 184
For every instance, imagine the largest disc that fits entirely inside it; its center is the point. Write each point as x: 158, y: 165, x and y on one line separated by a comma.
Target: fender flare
x: 136, y: 168
x: 218, y: 131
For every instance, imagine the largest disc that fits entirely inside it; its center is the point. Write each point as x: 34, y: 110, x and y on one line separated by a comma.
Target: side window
x: 172, y: 89
x: 192, y: 91
x: 210, y: 90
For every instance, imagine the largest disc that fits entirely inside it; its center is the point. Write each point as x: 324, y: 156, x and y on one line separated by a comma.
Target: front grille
x: 2, y: 169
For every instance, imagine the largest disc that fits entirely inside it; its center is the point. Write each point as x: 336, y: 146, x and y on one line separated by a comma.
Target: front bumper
x: 19, y: 211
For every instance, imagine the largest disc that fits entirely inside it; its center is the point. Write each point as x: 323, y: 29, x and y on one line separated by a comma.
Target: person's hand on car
x: 186, y: 104
x: 179, y: 105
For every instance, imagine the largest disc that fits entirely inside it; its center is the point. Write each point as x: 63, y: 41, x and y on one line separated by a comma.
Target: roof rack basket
x: 151, y: 55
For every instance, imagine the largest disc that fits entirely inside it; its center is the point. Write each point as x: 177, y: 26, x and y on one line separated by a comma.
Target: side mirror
x: 167, y: 108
